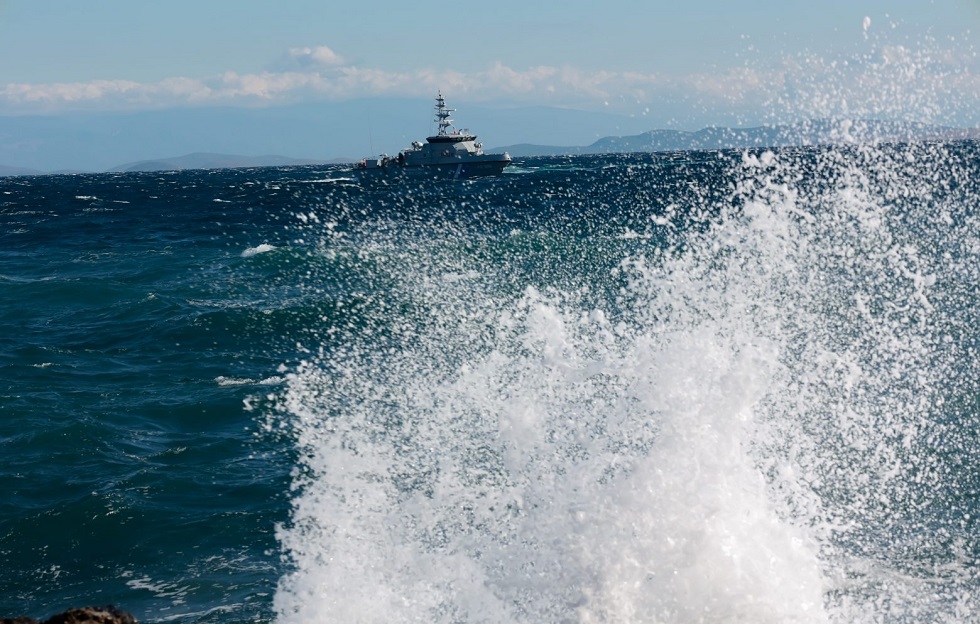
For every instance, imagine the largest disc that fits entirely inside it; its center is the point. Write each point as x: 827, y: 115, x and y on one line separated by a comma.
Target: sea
x: 707, y: 386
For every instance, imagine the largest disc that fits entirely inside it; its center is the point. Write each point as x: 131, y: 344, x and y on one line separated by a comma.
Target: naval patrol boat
x: 451, y: 153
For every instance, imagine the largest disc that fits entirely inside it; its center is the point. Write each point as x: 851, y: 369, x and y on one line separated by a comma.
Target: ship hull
x: 450, y: 171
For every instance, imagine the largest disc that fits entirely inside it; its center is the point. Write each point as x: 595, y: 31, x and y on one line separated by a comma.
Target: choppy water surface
x: 709, y: 386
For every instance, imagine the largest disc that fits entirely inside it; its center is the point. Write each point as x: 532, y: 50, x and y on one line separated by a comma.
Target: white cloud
x: 320, y: 72
x: 315, y: 56
x: 878, y: 83
x: 68, y: 92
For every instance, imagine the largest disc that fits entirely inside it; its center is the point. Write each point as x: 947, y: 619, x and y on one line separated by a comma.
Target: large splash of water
x: 751, y: 429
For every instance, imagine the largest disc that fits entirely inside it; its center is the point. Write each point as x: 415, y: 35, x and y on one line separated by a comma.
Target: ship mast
x: 442, y: 115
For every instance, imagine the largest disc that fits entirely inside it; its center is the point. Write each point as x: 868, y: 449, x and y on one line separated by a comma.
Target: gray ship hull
x: 450, y: 170
x: 449, y: 153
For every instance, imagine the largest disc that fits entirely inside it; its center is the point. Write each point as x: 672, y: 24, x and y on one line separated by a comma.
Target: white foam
x: 703, y: 452
x: 221, y: 380
x: 575, y: 472
x: 252, y: 251
x: 747, y: 435
x: 275, y: 380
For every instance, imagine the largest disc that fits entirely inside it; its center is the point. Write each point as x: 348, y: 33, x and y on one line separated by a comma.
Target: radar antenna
x: 443, y: 115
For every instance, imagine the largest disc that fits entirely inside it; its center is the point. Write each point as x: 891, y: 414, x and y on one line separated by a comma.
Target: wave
x: 734, y: 420
x: 253, y: 251
x: 221, y: 380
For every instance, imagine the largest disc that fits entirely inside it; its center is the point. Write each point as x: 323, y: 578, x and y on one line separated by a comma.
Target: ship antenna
x: 443, y: 114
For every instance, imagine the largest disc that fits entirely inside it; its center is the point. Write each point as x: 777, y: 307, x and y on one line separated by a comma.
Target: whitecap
x: 251, y: 251
x: 275, y: 380
x: 221, y: 380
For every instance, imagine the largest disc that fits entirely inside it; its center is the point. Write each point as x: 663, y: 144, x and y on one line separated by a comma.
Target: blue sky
x: 683, y: 65
x: 622, y: 55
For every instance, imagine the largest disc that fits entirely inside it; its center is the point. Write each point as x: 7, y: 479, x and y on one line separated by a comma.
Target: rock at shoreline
x: 84, y: 615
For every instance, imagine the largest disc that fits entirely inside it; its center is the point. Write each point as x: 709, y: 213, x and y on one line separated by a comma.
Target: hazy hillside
x: 819, y: 132
x: 204, y: 160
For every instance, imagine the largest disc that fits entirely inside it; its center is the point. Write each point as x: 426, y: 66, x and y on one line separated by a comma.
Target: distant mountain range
x: 197, y: 160
x: 15, y: 171
x: 820, y: 132
x: 807, y: 133
x: 205, y: 160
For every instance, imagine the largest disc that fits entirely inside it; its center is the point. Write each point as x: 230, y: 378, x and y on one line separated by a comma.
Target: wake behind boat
x: 449, y: 153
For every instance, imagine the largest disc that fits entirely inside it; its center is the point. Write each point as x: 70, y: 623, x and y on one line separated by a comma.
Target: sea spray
x: 742, y: 430
x: 839, y: 279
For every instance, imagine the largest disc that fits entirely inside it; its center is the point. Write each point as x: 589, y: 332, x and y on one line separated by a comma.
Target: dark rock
x: 84, y: 615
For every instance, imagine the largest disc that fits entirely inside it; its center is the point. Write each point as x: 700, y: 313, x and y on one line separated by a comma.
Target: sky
x: 677, y: 64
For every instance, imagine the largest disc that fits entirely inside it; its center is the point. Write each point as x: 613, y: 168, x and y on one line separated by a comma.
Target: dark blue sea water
x: 691, y: 387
